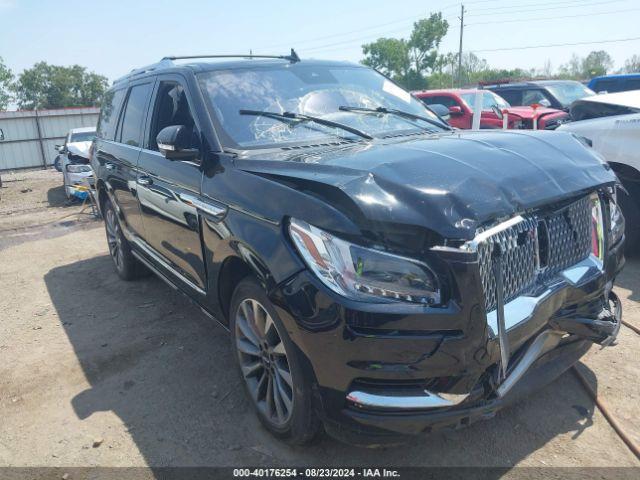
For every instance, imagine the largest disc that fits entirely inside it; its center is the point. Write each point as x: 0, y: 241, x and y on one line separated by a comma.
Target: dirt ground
x: 95, y: 371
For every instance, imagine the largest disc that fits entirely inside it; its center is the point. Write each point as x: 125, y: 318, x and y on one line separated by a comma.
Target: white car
x: 611, y: 122
x: 73, y: 161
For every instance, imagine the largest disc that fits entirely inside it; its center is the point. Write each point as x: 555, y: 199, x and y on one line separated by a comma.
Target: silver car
x: 73, y: 162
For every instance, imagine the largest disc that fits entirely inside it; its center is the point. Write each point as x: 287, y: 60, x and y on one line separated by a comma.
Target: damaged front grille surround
x: 533, y: 248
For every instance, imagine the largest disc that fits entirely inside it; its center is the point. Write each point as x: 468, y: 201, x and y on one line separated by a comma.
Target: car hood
x: 528, y: 112
x: 79, y: 148
x: 450, y: 183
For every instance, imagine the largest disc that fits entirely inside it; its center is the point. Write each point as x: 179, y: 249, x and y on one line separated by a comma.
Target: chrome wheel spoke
x: 249, y: 370
x: 247, y: 347
x: 286, y: 376
x: 263, y: 360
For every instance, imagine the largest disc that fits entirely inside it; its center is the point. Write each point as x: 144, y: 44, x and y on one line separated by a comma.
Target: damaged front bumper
x: 394, y: 370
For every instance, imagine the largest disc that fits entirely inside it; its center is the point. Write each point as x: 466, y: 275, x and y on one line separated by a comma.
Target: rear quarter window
x: 109, y: 114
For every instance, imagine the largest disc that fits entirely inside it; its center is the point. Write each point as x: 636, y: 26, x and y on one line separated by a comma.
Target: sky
x: 112, y: 37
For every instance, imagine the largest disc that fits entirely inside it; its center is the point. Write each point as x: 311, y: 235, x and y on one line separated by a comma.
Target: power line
x: 559, y: 4
x: 552, y: 18
x: 581, y: 5
x: 528, y: 47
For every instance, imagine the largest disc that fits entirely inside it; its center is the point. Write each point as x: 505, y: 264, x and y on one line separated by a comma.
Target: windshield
x: 312, y: 90
x: 569, y: 92
x: 82, y: 137
x: 489, y: 99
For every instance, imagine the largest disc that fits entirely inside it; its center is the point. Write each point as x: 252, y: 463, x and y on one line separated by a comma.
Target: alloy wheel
x: 264, y: 362
x: 114, y: 238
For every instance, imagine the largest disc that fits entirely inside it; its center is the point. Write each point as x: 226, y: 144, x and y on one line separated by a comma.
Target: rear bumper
x: 438, y: 364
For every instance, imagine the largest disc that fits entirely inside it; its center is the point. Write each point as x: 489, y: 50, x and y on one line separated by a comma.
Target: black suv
x: 380, y: 273
x: 558, y: 94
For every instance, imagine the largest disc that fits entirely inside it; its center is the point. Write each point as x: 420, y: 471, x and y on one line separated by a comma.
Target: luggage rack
x: 168, y: 62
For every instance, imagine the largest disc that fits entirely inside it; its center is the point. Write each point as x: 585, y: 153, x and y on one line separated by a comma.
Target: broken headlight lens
x: 362, y: 273
x: 616, y: 220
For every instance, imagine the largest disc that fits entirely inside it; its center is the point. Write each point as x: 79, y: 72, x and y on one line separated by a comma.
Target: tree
x: 632, y: 64
x: 407, y: 61
x: 572, y: 69
x: 53, y: 86
x: 596, y: 63
x: 6, y: 77
x: 390, y: 56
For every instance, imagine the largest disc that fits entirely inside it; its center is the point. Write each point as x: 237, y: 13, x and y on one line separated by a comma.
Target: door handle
x: 144, y: 180
x: 109, y: 166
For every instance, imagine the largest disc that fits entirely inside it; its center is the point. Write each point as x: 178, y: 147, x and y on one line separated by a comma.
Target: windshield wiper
x: 393, y: 111
x: 288, y: 116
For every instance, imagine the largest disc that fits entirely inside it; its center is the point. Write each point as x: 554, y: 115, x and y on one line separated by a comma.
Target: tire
x: 270, y: 367
x: 630, y: 206
x: 57, y: 163
x: 127, y: 266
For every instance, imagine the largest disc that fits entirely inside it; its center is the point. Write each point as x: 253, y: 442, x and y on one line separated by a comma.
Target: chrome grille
x: 518, y: 262
x: 568, y: 236
x: 535, y: 248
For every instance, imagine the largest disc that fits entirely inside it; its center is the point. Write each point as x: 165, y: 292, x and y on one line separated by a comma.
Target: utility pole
x: 460, y: 49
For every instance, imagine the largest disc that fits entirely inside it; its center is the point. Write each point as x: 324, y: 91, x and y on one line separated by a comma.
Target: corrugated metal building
x: 31, y: 135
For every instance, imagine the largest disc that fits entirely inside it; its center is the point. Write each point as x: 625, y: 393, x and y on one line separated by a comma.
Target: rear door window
x: 109, y: 114
x: 445, y: 100
x: 134, y: 114
x: 514, y: 97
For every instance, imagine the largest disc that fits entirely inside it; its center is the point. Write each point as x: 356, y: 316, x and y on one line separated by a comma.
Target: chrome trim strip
x: 547, y: 340
x: 149, y: 251
x: 217, y: 211
x: 472, y: 245
x: 522, y: 308
x: 415, y: 402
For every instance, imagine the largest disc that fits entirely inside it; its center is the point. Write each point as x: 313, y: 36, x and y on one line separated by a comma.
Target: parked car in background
x: 73, y: 161
x: 461, y: 101
x: 615, y: 83
x: 611, y: 123
x: 379, y: 272
x: 559, y: 94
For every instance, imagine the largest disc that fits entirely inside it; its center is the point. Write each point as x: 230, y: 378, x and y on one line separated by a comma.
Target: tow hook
x: 602, y: 330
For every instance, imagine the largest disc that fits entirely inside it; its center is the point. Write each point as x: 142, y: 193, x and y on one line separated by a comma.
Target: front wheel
x: 127, y: 266
x: 270, y: 367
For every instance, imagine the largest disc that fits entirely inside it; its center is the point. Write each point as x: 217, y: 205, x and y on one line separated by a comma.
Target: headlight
x: 616, y: 220
x: 362, y: 273
x: 73, y: 168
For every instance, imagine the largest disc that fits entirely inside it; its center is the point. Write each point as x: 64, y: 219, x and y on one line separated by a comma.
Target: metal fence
x: 31, y: 135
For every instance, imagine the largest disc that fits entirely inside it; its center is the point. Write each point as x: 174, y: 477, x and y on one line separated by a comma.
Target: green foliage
x: 6, y: 77
x: 595, y: 64
x: 53, y: 86
x: 408, y: 61
x: 632, y: 64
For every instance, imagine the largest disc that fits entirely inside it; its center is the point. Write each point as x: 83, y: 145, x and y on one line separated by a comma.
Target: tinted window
x: 171, y: 108
x: 609, y: 86
x: 133, y: 119
x: 530, y: 97
x: 513, y: 97
x: 442, y: 100
x: 633, y: 84
x: 109, y: 114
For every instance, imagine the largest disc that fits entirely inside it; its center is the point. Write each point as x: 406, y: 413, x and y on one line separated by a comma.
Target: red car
x: 460, y: 103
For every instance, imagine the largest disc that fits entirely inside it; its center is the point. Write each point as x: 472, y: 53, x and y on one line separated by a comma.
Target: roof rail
x: 292, y: 57
x: 167, y: 62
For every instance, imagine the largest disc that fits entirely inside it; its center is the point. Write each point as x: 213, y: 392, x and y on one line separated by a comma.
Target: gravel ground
x: 99, y: 372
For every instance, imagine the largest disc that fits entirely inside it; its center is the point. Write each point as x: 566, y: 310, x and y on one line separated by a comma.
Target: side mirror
x: 59, y: 148
x: 1, y: 135
x: 455, y: 111
x: 498, y: 113
x: 174, y: 143
x: 440, y: 110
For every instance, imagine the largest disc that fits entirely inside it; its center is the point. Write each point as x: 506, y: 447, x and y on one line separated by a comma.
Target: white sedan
x: 74, y: 161
x: 612, y: 123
